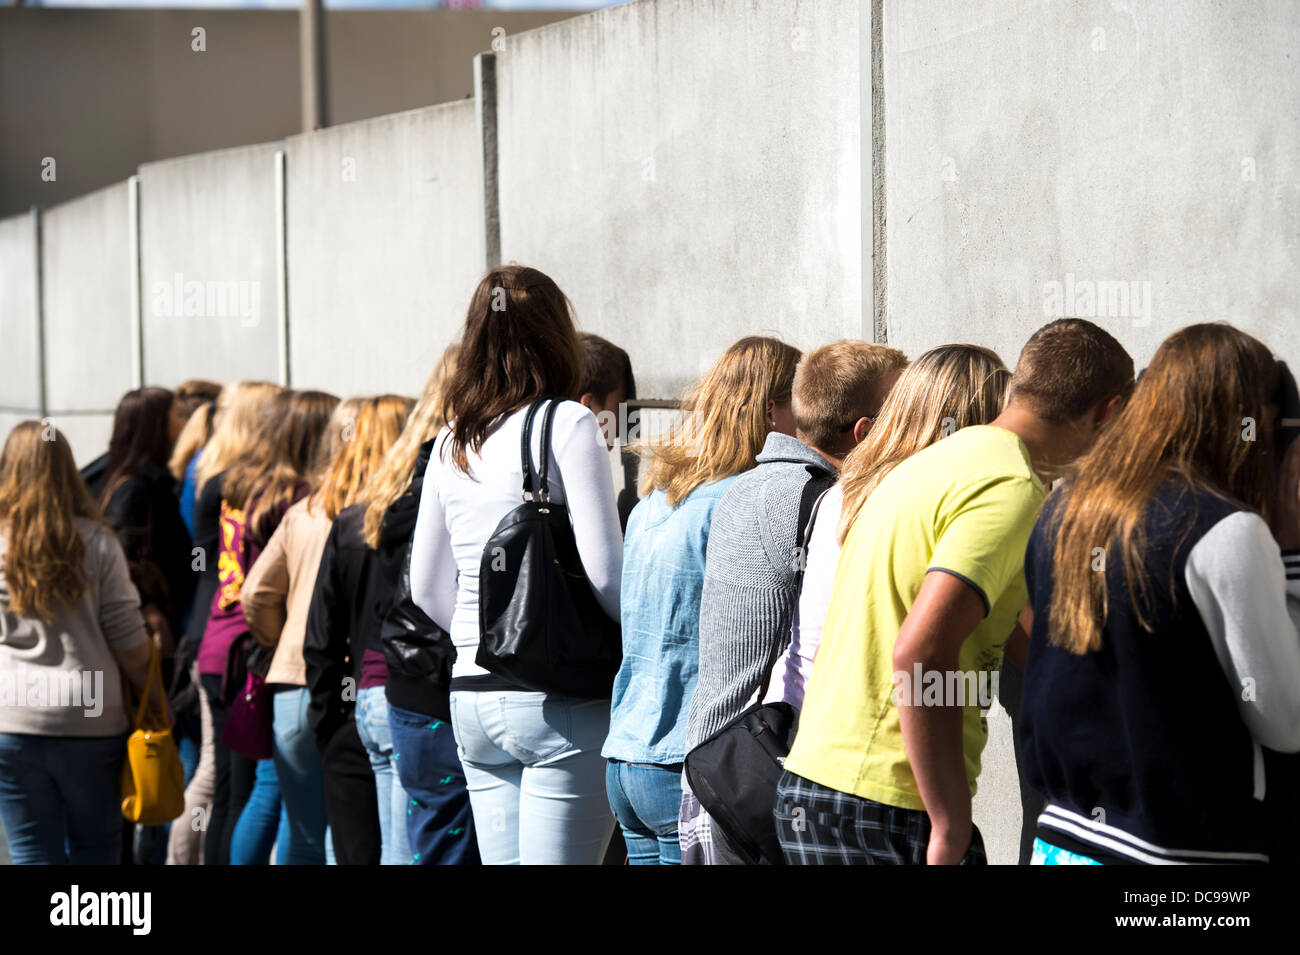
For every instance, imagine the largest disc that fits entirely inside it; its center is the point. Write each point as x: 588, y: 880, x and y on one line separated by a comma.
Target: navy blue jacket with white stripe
x: 1149, y: 750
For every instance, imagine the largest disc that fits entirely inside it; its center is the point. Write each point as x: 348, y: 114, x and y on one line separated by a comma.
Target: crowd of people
x: 842, y: 532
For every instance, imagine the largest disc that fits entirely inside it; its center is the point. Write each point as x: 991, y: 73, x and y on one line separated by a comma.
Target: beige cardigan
x: 277, y: 591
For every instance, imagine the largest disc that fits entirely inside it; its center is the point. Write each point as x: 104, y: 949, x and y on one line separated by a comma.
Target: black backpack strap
x: 525, y: 444
x: 810, y: 500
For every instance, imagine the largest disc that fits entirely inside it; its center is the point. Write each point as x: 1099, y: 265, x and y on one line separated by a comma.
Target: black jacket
x: 418, y: 652
x: 146, y: 514
x: 337, y: 620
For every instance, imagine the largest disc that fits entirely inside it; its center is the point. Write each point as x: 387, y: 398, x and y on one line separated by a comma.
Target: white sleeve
x: 433, y: 562
x: 582, y: 458
x: 1239, y: 584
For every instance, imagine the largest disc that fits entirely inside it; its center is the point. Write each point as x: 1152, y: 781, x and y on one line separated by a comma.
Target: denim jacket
x: 663, y: 575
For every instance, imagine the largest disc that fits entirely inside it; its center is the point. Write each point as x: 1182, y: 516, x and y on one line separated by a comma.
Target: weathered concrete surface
x: 86, y: 283
x: 19, y: 366
x: 688, y: 172
x: 1031, y: 143
x: 208, y: 267
x: 385, y: 234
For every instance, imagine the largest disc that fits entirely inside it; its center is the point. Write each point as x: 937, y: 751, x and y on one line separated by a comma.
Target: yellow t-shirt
x: 964, y: 505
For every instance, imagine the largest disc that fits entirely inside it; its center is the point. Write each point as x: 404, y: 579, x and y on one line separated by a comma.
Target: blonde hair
x: 394, y: 473
x: 234, y: 426
x: 196, y: 433
x: 724, y: 423
x: 41, y: 495
x: 947, y: 388
x: 378, y: 424
x: 838, y: 384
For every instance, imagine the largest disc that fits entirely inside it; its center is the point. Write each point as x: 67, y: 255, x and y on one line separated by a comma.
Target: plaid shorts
x: 694, y: 832
x: 817, y: 825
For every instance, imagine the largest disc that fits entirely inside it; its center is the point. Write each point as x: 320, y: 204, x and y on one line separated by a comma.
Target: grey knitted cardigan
x: 749, y: 580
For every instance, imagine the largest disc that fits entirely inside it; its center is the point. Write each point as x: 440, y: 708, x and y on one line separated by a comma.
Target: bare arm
x: 942, y: 617
x: 1017, y: 648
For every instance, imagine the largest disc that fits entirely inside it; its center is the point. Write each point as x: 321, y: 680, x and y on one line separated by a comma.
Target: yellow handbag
x: 153, y: 779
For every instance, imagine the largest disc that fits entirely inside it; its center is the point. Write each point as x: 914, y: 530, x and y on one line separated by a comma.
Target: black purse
x: 734, y: 773
x: 540, y: 625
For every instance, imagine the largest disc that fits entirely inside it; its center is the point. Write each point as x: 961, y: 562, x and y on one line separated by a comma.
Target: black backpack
x: 734, y: 773
x: 540, y: 625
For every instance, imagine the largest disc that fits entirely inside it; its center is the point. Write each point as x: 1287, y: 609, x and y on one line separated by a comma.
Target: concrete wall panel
x: 688, y: 172
x: 1033, y: 143
x: 86, y: 282
x: 208, y: 267
x: 19, y: 361
x: 385, y: 235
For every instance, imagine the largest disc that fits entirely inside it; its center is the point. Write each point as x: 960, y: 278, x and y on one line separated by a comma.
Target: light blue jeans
x: 302, y: 780
x: 535, y: 775
x: 377, y: 738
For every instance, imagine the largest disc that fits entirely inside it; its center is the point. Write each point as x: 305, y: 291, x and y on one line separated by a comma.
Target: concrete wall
x: 19, y: 359
x: 102, y: 91
x: 688, y: 172
x: 208, y: 232
x: 86, y: 286
x: 1029, y: 143
x: 385, y: 245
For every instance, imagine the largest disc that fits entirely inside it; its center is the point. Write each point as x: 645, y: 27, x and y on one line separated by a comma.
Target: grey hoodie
x: 750, y: 580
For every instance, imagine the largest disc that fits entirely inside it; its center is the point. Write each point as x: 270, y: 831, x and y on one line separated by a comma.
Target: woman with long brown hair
x: 277, y: 595
x: 1164, y: 584
x: 70, y: 626
x: 139, y: 498
x: 268, y: 475
x: 532, y: 759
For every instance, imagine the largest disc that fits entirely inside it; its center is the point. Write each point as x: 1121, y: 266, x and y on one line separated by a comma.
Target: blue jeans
x: 439, y: 822
x: 302, y: 779
x: 61, y: 799
x: 535, y: 775
x: 263, y: 823
x: 377, y: 738
x: 646, y: 800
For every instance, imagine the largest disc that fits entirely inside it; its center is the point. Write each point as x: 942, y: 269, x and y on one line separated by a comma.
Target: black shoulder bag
x: 734, y: 773
x: 540, y: 625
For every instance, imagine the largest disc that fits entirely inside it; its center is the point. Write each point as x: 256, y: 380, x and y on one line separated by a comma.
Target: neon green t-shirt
x: 965, y: 505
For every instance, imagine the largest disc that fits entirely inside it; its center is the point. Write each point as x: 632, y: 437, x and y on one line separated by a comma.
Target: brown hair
x: 606, y: 367
x: 836, y: 385
x: 518, y: 343
x: 1184, y: 420
x: 379, y: 422
x: 41, y: 495
x: 276, y: 469
x: 724, y: 419
x: 141, y: 436
x: 1067, y: 367
x: 394, y: 475
x: 946, y: 389
x: 191, y: 395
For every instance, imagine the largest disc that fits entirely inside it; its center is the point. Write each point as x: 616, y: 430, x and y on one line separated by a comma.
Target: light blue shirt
x: 663, y: 576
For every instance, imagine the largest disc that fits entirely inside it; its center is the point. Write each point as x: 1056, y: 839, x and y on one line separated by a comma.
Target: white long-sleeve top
x: 1248, y: 596
x: 459, y: 512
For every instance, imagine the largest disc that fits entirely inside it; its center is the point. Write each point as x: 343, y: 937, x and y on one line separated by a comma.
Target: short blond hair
x: 836, y: 385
